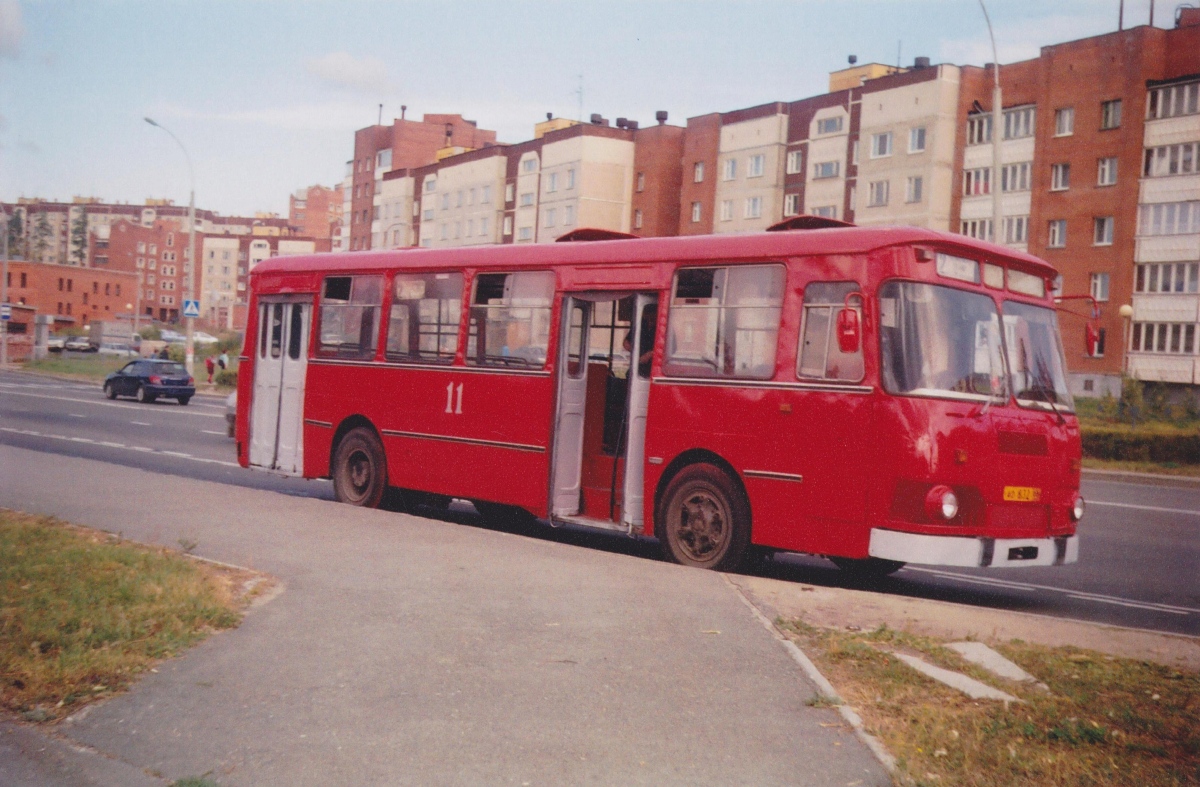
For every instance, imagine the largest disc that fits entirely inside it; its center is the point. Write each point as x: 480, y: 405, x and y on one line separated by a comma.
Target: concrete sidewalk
x: 409, y: 651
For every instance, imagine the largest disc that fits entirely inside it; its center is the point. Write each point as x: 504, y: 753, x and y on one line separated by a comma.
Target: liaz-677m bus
x: 877, y: 396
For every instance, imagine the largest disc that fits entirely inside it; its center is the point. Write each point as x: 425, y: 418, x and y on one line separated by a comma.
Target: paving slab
x: 980, y: 654
x: 409, y: 651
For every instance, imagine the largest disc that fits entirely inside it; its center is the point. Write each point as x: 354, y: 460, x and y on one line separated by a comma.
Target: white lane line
x: 1144, y: 508
x: 139, y: 423
x: 1076, y: 594
x: 183, y: 410
x: 139, y: 448
x: 209, y: 431
x: 76, y: 415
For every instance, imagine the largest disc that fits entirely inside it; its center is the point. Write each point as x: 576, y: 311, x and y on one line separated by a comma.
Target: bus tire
x: 867, y: 568
x: 704, y: 520
x: 360, y: 469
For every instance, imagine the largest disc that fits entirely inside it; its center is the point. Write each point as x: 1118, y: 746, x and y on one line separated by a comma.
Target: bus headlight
x: 1077, y: 509
x: 941, y: 503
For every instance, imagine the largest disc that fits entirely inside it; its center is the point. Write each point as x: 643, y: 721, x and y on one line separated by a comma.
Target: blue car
x: 148, y: 379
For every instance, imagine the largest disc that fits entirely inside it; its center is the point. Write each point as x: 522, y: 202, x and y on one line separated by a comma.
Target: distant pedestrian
x: 223, y: 361
x: 209, y: 365
x: 164, y: 354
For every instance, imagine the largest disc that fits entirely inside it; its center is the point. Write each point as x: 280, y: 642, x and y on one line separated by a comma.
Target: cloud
x: 343, y: 70
x: 335, y: 116
x: 12, y: 29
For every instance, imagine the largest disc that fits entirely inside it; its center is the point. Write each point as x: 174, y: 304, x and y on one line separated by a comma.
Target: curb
x: 824, y: 687
x: 1151, y: 479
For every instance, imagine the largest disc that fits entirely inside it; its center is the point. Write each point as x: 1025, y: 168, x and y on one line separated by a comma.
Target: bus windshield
x: 940, y: 341
x: 1035, y: 356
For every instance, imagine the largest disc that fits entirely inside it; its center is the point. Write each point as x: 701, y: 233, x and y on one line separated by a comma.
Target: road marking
x: 186, y: 410
x: 1144, y: 508
x: 139, y: 448
x: 139, y: 423
x: 1076, y: 594
x: 209, y: 431
x: 76, y: 415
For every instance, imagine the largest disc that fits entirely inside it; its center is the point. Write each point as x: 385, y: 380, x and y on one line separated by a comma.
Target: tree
x: 79, y: 238
x: 41, y: 236
x: 16, y: 237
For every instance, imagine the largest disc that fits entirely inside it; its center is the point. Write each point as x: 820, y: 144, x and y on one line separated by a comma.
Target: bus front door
x: 567, y: 478
x: 277, y: 411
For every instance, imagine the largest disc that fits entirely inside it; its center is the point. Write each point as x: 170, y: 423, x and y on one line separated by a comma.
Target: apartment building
x: 74, y: 296
x: 158, y: 257
x: 316, y: 211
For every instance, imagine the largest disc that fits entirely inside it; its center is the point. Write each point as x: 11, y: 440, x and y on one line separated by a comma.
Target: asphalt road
x: 1139, y: 555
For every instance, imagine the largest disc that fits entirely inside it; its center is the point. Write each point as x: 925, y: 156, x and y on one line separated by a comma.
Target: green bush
x: 226, y: 377
x: 1142, y: 445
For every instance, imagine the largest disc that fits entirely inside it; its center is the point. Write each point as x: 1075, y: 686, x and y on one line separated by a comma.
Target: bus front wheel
x: 360, y: 469
x: 704, y: 519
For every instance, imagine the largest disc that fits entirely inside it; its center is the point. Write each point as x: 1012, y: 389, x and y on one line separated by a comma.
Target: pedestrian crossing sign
x: 191, y: 307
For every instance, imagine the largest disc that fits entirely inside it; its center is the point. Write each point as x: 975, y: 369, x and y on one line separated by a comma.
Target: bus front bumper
x: 975, y: 552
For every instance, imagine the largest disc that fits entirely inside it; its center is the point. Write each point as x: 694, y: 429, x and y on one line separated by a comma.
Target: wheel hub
x: 703, y: 525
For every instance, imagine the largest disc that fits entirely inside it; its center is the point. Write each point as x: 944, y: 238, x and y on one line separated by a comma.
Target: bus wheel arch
x: 702, y: 512
x: 358, y: 464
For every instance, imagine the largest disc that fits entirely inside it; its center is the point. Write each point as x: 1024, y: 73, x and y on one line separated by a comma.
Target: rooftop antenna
x: 380, y: 122
x: 1121, y: 15
x: 898, y: 61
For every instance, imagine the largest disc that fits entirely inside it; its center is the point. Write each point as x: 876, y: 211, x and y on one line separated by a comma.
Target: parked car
x: 148, y: 379
x: 79, y: 344
x: 55, y: 344
x: 231, y: 414
x: 172, y: 337
x: 200, y: 337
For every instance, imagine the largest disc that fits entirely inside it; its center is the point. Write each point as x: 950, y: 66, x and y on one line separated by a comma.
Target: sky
x: 265, y: 94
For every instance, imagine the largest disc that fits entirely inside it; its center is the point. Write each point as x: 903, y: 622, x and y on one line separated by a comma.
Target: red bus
x: 878, y: 396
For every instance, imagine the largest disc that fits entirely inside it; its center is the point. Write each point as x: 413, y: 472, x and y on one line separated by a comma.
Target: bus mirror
x: 1092, y: 335
x: 848, y: 331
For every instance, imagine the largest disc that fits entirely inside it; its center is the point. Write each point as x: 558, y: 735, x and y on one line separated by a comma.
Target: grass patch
x: 93, y: 367
x: 1161, y: 468
x: 82, y: 613
x: 1105, y: 720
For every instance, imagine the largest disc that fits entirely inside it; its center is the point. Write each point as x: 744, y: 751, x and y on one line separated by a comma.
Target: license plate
x: 1022, y: 494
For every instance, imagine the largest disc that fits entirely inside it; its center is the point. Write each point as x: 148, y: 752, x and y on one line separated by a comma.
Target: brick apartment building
x: 74, y: 296
x: 316, y: 211
x: 159, y: 258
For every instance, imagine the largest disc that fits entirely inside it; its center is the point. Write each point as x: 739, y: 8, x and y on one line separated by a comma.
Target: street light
x: 1126, y: 312
x: 4, y: 292
x: 189, y: 348
x: 997, y: 118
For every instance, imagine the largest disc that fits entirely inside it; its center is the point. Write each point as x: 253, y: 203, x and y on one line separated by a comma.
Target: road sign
x: 5, y: 311
x: 191, y: 307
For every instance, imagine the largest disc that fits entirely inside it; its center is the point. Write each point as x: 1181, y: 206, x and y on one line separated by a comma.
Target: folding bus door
x: 277, y: 411
x: 567, y: 478
x: 633, y: 497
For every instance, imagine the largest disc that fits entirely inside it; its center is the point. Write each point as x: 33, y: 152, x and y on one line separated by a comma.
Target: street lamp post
x: 190, y: 257
x: 4, y: 292
x: 997, y: 120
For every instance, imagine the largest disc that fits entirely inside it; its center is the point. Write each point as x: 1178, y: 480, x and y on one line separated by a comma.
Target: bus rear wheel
x: 704, y: 520
x: 360, y: 469
x: 867, y: 568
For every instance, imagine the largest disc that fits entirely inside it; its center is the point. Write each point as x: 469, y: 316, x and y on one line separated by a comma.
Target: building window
x: 485, y: 195
x: 826, y: 211
x: 428, y: 214
x: 458, y: 229
x: 641, y: 181
x: 980, y: 229
x: 753, y: 208
x: 443, y: 231
x: 637, y: 219
x: 1099, y: 286
x: 526, y: 199
x: 791, y: 204
x: 727, y: 210
x: 1181, y: 159
x: 977, y: 182
x: 1060, y: 177
x: 695, y: 212
x: 1174, y: 100
x: 878, y: 194
x: 1110, y: 114
x: 529, y: 165
x: 552, y: 182
x: 754, y: 168
x: 795, y: 162
x: 826, y: 169
x: 1057, y: 236
x: 1169, y: 218
x: 508, y: 225
x: 550, y: 217
x: 729, y: 170
x: 913, y: 188
x: 1015, y: 177
x: 979, y: 129
x: 525, y: 233
x: 881, y: 145
x: 829, y: 125
x: 1176, y: 277
x: 1103, y: 231
x: 1064, y: 122
x: 1163, y: 337
x: 570, y: 178
x: 483, y: 226
x: 698, y: 172
x: 1016, y: 229
x: 508, y: 192
x: 1106, y: 171
x: 445, y: 201
x: 1019, y: 123
x: 916, y: 139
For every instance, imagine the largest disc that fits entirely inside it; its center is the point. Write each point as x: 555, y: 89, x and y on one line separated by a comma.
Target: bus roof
x: 764, y: 245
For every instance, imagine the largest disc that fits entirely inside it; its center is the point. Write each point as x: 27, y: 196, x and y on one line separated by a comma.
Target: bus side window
x: 350, y: 307
x: 423, y: 321
x: 510, y: 319
x: 276, y: 330
x: 724, y: 322
x: 819, y: 355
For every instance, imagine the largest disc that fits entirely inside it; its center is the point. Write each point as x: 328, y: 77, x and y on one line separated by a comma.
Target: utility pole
x: 4, y: 293
x: 997, y: 128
